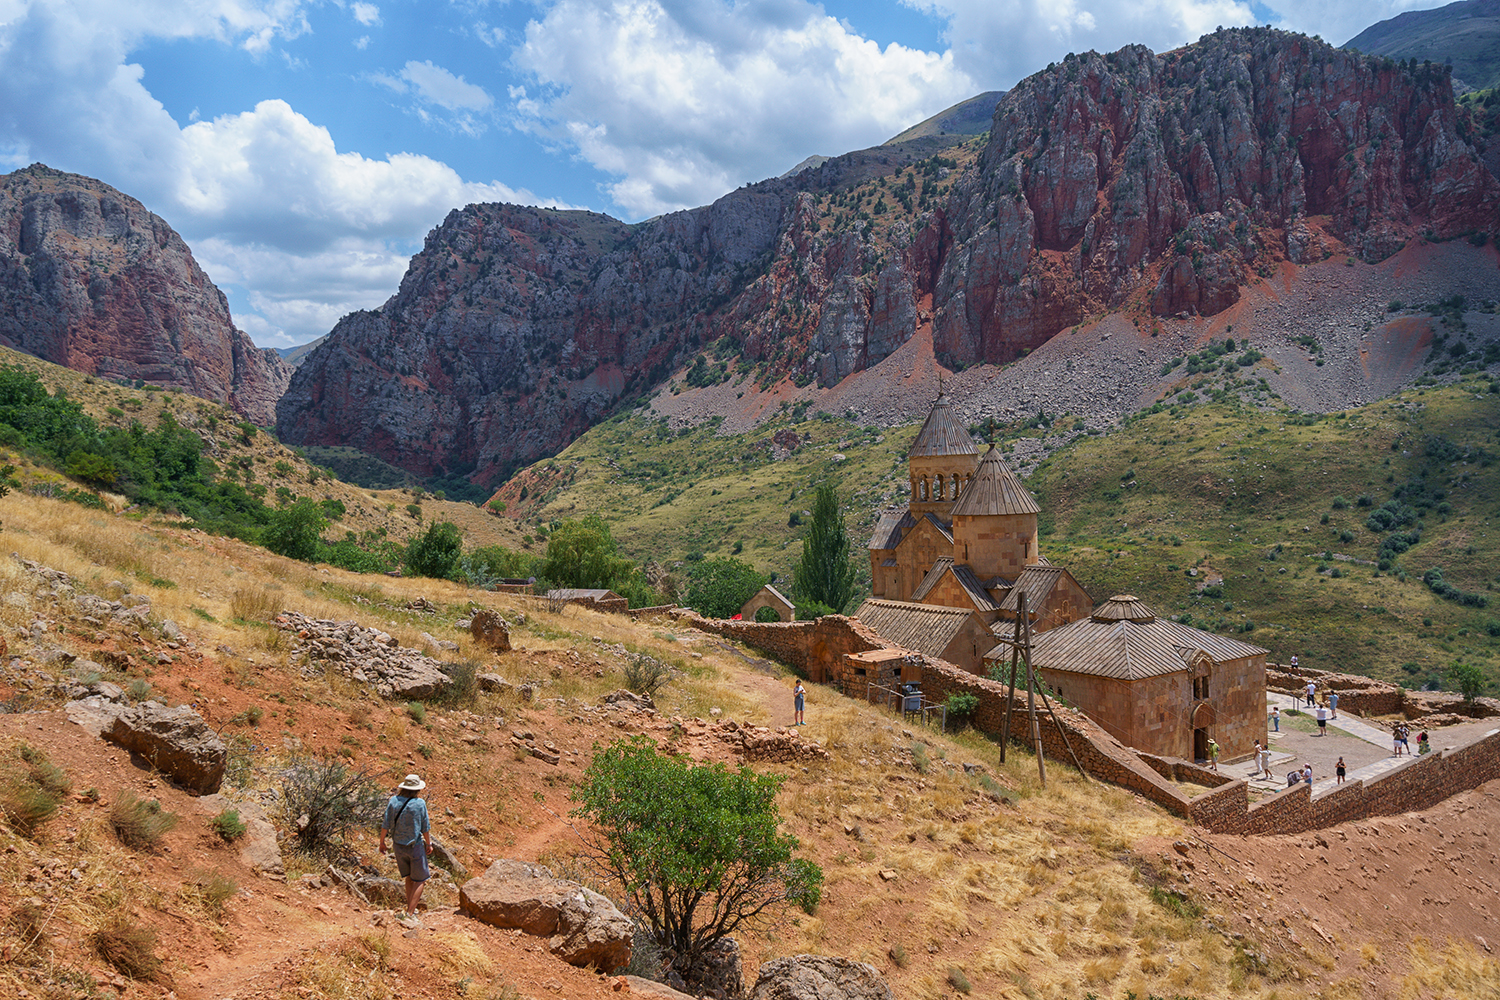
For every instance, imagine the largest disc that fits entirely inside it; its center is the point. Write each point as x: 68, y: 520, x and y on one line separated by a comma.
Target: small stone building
x: 596, y: 598
x: 958, y: 635
x: 769, y: 597
x: 1155, y: 684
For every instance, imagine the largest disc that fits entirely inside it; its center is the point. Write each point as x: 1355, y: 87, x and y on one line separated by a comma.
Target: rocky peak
x: 1128, y: 181
x: 91, y: 280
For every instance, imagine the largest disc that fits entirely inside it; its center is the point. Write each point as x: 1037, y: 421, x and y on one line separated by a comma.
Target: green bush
x: 645, y: 674
x: 127, y: 946
x: 696, y: 848
x: 436, y: 553
x: 718, y: 588
x: 228, y: 825
x: 417, y: 711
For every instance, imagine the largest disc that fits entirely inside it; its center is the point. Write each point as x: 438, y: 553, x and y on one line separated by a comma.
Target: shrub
x: 227, y: 824
x: 323, y: 799
x: 463, y: 683
x: 812, y: 610
x: 417, y: 711
x: 961, y: 705
x: 436, y: 553
x: 140, y: 823
x: 959, y: 981
x: 211, y: 891
x: 128, y: 946
x: 718, y: 588
x: 696, y: 849
x: 1469, y: 679
x: 645, y: 674
x: 28, y: 808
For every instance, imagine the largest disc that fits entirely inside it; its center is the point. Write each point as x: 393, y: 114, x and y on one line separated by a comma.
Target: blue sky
x: 305, y: 147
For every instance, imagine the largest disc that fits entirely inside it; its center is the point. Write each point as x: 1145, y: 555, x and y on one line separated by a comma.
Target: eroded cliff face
x: 1158, y: 183
x: 91, y: 280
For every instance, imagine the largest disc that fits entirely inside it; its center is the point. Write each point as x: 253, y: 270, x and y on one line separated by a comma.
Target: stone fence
x: 819, y: 648
x: 1366, y: 696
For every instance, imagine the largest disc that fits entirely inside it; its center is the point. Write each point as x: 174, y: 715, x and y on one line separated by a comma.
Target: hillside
x: 1118, y: 188
x: 1217, y: 477
x: 243, y: 454
x: 943, y: 876
x: 90, y: 279
x: 1464, y: 35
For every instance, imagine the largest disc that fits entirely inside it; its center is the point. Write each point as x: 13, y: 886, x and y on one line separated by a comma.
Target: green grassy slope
x: 1467, y: 34
x: 1161, y: 507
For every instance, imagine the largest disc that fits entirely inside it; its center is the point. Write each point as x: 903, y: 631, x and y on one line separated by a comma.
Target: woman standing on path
x: 799, y: 696
x: 1338, y: 769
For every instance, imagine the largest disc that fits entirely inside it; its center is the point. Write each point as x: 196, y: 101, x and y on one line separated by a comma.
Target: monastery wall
x: 1427, y: 780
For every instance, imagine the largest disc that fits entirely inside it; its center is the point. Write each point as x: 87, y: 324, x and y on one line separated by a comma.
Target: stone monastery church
x: 947, y: 573
x: 968, y: 537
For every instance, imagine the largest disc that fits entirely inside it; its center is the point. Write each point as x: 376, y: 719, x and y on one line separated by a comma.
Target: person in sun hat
x: 411, y: 836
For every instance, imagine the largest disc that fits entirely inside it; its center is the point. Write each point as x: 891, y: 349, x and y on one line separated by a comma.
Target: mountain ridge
x: 1145, y: 184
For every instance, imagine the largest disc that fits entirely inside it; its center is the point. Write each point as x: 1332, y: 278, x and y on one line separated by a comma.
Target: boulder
x: 627, y: 699
x: 175, y: 741
x: 258, y: 847
x: 581, y: 926
x: 819, y: 977
x: 655, y: 990
x: 494, y: 684
x: 489, y: 629
x: 718, y: 971
x: 441, y: 855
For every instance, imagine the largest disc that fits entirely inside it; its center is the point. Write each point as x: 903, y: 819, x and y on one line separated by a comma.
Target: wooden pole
x: 1036, y: 728
x: 1015, y: 654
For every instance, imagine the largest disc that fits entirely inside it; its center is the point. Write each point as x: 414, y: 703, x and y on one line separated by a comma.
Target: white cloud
x: 367, y: 14
x: 438, y: 86
x: 687, y: 100
x: 362, y: 42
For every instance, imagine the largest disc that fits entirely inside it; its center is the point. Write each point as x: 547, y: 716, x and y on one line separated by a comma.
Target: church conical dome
x: 994, y: 490
x: 942, y: 434
x: 1124, y: 607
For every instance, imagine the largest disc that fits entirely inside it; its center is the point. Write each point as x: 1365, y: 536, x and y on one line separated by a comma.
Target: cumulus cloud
x: 684, y: 101
x: 366, y: 13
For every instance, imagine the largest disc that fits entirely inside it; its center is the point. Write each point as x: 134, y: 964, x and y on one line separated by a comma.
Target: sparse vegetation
x: 140, y: 823
x: 323, y: 799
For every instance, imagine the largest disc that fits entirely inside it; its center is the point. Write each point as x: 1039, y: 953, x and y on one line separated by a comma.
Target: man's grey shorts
x: 411, y: 861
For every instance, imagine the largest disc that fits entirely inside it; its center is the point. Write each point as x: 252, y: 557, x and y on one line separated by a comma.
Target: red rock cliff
x: 1165, y: 180
x: 91, y: 280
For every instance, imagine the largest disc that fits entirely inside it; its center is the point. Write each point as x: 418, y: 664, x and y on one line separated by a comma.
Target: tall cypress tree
x: 825, y: 574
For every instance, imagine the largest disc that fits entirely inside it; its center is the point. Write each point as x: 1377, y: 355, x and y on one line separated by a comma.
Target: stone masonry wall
x: 820, y: 646
x: 1419, y: 785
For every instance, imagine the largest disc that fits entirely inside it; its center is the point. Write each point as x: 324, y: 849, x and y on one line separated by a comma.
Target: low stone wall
x: 1360, y: 695
x: 1419, y: 785
x: 820, y: 647
x: 636, y: 614
x: 1185, y: 770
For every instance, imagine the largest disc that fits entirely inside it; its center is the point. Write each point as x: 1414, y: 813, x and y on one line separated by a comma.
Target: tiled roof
x: 994, y: 490
x: 1036, y: 582
x: 946, y: 529
x: 943, y: 564
x: 1124, y: 607
x: 925, y: 628
x: 942, y: 434
x: 778, y: 595
x: 976, y: 590
x: 892, y: 525
x: 1130, y: 650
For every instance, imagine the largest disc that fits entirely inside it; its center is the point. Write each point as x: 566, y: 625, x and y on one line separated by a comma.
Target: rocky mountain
x: 1464, y: 35
x: 1137, y: 182
x: 91, y: 280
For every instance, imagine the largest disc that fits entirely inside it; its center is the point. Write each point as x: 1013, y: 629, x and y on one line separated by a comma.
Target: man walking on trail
x: 1312, y: 690
x: 1333, y: 703
x: 411, y: 834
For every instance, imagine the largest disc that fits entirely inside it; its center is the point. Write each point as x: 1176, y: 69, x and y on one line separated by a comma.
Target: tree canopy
x: 696, y: 848
x: 295, y: 531
x: 825, y: 575
x: 583, y: 554
x: 718, y: 588
x: 436, y: 553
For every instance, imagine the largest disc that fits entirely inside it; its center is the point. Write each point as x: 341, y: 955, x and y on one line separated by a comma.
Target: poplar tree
x: 825, y: 575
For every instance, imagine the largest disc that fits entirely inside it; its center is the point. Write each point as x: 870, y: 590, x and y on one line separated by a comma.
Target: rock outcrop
x: 581, y: 926
x: 819, y: 977
x: 91, y: 280
x: 175, y: 741
x: 1165, y: 180
x: 364, y: 656
x: 489, y: 629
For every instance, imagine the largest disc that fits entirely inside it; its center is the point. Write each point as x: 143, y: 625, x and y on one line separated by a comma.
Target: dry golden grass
x: 1457, y: 971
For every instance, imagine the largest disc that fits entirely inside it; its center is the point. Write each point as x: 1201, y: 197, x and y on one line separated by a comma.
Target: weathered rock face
x: 364, y: 656
x: 1165, y: 179
x: 489, y: 628
x: 175, y: 741
x: 91, y: 280
x: 582, y: 927
x: 819, y: 977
